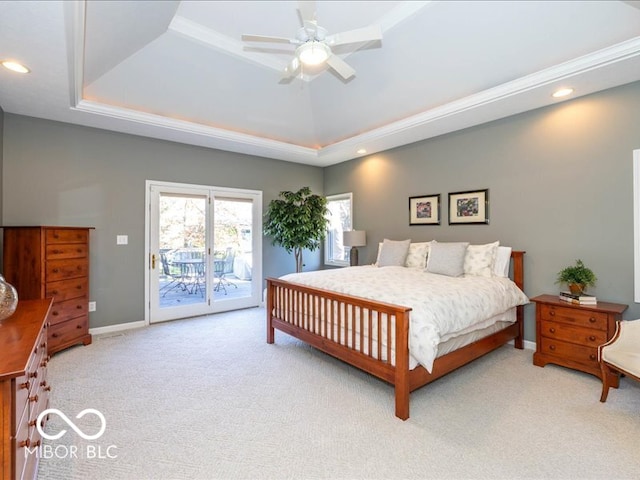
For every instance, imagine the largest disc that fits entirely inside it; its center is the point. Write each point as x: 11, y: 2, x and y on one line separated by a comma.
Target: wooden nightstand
x: 569, y: 335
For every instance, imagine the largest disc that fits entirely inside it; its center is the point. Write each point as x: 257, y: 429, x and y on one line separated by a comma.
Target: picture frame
x: 424, y: 210
x: 469, y: 208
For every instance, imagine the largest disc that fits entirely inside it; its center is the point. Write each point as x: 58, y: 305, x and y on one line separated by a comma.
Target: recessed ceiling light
x: 361, y: 151
x: 15, y: 66
x: 563, y: 92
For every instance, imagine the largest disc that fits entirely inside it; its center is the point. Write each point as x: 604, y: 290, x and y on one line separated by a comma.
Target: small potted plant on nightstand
x: 577, y: 277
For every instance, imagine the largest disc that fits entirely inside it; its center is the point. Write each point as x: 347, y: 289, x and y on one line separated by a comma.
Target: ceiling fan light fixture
x: 313, y: 53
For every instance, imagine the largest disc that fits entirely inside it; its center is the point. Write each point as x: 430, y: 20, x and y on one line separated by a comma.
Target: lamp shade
x: 354, y: 238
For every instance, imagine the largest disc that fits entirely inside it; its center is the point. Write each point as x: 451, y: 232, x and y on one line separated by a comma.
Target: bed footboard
x: 373, y: 336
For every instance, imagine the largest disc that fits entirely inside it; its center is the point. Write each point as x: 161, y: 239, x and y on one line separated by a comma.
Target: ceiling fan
x: 315, y: 45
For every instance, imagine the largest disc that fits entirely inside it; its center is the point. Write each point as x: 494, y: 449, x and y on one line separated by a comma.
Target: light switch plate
x: 122, y: 239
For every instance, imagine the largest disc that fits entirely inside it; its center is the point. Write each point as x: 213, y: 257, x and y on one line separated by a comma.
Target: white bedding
x: 442, y: 306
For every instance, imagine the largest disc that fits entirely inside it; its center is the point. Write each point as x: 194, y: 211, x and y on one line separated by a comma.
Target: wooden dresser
x: 24, y: 391
x: 52, y: 262
x: 569, y: 335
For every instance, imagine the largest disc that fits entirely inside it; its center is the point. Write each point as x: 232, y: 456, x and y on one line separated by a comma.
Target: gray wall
x: 62, y: 174
x: 560, y: 181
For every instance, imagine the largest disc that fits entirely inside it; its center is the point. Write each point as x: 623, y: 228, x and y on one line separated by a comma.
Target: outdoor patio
x: 189, y: 293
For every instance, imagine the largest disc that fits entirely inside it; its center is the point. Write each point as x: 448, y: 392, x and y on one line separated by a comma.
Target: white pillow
x: 447, y: 258
x: 503, y: 260
x: 479, y: 259
x: 417, y: 256
x: 393, y: 253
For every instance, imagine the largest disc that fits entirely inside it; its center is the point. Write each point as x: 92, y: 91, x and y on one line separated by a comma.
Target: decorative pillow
x: 503, y: 260
x: 447, y: 258
x: 393, y: 253
x: 417, y: 256
x: 479, y: 259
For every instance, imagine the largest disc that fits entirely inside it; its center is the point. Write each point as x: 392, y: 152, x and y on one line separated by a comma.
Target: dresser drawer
x: 65, y: 269
x: 63, y: 311
x: 66, y: 250
x: 574, y: 316
x: 64, y: 235
x: 22, y: 441
x: 573, y: 334
x: 570, y: 351
x: 67, y: 289
x: 67, y: 332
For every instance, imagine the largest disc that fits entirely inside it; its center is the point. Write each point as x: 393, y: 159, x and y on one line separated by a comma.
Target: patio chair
x: 222, y: 267
x: 175, y: 281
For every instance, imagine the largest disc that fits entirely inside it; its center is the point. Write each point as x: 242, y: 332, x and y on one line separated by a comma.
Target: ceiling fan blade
x: 265, y: 38
x: 341, y: 67
x: 291, y: 69
x: 366, y: 34
x: 307, y: 11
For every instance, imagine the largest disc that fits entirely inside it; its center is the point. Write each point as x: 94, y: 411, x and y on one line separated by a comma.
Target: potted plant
x: 577, y: 277
x: 297, y: 221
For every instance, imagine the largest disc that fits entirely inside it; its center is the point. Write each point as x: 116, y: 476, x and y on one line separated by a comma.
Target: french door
x: 203, y: 250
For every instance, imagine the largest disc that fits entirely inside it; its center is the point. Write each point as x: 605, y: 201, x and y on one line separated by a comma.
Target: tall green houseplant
x: 297, y: 221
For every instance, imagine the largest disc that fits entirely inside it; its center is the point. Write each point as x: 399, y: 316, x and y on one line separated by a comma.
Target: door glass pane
x: 232, y: 248
x: 182, y: 241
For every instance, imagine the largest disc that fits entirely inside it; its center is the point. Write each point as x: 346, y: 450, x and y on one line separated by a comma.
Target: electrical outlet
x: 92, y: 306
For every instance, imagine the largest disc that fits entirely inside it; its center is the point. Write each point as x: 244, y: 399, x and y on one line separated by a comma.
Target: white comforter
x: 442, y: 306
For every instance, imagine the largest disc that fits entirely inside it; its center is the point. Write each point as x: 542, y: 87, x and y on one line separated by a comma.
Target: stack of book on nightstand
x: 582, y: 299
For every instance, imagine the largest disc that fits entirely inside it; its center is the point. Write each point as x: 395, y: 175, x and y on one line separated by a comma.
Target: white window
x: 340, y: 220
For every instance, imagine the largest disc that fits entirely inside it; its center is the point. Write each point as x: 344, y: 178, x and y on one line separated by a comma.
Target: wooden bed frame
x: 336, y: 334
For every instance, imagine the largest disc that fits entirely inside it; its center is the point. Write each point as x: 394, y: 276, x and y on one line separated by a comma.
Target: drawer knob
x: 592, y: 319
x: 33, y: 399
x: 25, y: 385
x: 78, y: 326
x: 56, y: 251
x: 552, y: 313
x: 54, y: 313
x: 79, y: 287
x: 24, y: 443
x: 592, y: 338
x: 552, y: 330
x: 33, y: 375
x: 55, y: 335
x: 552, y: 347
x: 55, y: 270
x: 32, y: 423
x: 55, y: 292
x: 592, y: 357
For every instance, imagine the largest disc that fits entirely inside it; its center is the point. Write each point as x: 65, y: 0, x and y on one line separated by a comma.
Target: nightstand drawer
x: 573, y: 334
x: 569, y: 351
x: 574, y: 316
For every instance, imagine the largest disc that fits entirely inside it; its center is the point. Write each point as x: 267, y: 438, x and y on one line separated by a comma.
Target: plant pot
x: 576, y: 288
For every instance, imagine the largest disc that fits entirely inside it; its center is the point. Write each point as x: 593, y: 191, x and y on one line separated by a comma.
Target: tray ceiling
x: 179, y: 70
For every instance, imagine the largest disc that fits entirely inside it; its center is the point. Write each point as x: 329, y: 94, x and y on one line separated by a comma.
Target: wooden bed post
x: 270, y: 329
x: 401, y: 383
x: 518, y: 279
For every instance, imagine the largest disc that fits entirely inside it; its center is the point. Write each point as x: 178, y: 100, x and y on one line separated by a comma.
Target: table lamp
x: 353, y: 239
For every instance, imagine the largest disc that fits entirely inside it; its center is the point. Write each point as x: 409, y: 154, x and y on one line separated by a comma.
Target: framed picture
x: 424, y: 210
x: 469, y: 207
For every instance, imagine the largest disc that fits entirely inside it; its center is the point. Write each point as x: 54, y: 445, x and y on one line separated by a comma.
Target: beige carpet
x: 207, y: 398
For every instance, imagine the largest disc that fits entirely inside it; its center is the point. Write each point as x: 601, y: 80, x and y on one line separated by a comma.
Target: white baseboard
x: 117, y: 328
x: 528, y: 345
